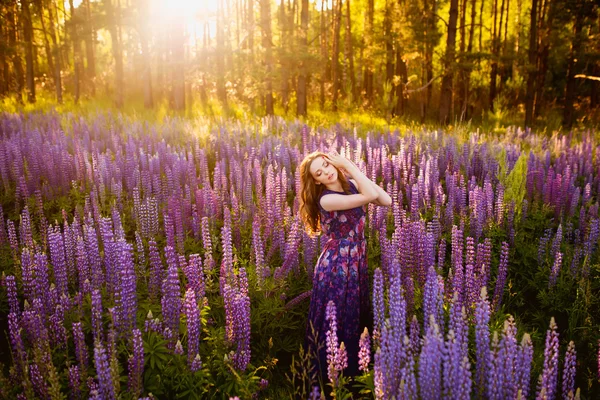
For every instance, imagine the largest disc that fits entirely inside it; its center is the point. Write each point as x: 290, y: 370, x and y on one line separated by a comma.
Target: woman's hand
x: 338, y: 161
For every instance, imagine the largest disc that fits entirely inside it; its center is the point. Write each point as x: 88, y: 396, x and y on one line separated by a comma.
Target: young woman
x: 334, y: 205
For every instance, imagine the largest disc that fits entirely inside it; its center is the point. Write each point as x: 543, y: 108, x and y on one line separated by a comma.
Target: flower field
x: 168, y: 261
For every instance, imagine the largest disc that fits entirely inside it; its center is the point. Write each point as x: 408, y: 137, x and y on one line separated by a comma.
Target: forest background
x: 532, y: 63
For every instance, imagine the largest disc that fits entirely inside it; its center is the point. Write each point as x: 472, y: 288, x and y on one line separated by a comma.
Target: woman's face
x: 322, y: 171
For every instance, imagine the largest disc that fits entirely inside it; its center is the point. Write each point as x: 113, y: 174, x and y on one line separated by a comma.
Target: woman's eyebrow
x: 318, y: 169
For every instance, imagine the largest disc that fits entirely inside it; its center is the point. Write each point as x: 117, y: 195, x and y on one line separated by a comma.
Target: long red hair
x: 310, y: 193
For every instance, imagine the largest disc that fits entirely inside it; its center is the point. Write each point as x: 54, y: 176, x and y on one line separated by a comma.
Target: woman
x: 334, y: 205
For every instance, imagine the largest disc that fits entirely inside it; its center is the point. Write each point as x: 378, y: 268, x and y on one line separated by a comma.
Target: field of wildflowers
x: 166, y: 260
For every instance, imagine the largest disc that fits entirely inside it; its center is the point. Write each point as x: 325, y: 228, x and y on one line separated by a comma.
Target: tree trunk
x: 324, y: 58
x: 89, y: 37
x: 285, y: 52
x: 335, y: 68
x: 368, y: 62
x: 446, y: 89
x: 113, y: 22
x: 462, y: 72
x: 146, y: 72
x: 494, y: 57
x: 569, y: 110
x: 301, y: 102
x: 178, y: 64
x: 16, y: 57
x: 76, y: 50
x: 28, y: 37
x: 220, y: 58
x: 265, y: 24
x: 4, y: 73
x: 350, y: 54
x: 544, y: 33
x: 532, y: 74
x: 56, y: 54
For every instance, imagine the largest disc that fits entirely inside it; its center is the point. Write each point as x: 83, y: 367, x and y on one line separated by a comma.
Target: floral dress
x: 341, y: 275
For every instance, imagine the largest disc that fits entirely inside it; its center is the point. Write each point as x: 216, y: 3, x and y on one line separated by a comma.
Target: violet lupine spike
x: 11, y: 293
x: 524, y: 358
x: 126, y: 299
x: 364, y: 353
x: 195, y: 276
x: 407, y: 387
x: 74, y: 382
x: 17, y: 346
x: 27, y: 274
x: 156, y: 271
x: 507, y: 358
x: 378, y: 305
x: 332, y: 343
x: 39, y: 384
x: 482, y: 340
x: 397, y: 320
x: 171, y: 290
x: 569, y: 369
x: 555, y: 269
x: 493, y: 375
x: 259, y: 251
x: 136, y: 364
x: 501, y: 278
x: 192, y: 314
x: 549, y: 378
x: 242, y: 327
x: 57, y: 257
x: 105, y: 384
x: 415, y: 337
x: 81, y: 350
x: 430, y: 362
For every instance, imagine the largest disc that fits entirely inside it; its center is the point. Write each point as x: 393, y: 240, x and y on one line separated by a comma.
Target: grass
x: 362, y: 120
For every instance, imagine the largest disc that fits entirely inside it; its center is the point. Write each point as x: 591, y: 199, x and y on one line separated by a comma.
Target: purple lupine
x: 192, y: 313
x: 136, y: 364
x: 105, y: 383
x: 430, y: 299
x: 156, y: 271
x: 568, y: 382
x: 501, y: 278
x: 364, y: 354
x: 242, y: 316
x: 378, y: 305
x: 209, y: 263
x: 482, y: 339
x: 93, y: 255
x: 332, y: 343
x: 39, y: 384
x: 430, y: 365
x: 555, y: 270
x: 17, y: 346
x: 262, y: 270
x: 83, y: 268
x: 11, y: 293
x: 42, y: 283
x: 415, y: 336
x: 12, y: 238
x: 171, y: 292
x: 457, y: 374
x: 57, y: 256
x: 524, y: 358
x: 97, y: 314
x: 195, y: 276
x: 81, y: 350
x: 549, y: 379
x: 139, y: 244
x: 74, y: 382
x: 407, y: 387
x: 397, y: 324
x: 126, y: 299
x: 506, y: 358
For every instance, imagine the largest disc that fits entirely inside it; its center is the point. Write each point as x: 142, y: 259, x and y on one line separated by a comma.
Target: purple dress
x: 341, y: 275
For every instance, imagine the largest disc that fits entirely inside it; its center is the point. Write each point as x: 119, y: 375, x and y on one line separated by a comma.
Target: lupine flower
x: 103, y: 373
x: 524, y: 358
x: 192, y: 313
x: 332, y: 344
x: 482, y: 339
x: 39, y: 384
x: 555, y: 269
x: 364, y: 354
x: 378, y: 304
x: 430, y: 362
x: 549, y: 377
x: 75, y: 382
x: 171, y: 300
x: 11, y: 293
x: 501, y: 278
x: 568, y: 383
x: 136, y: 364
